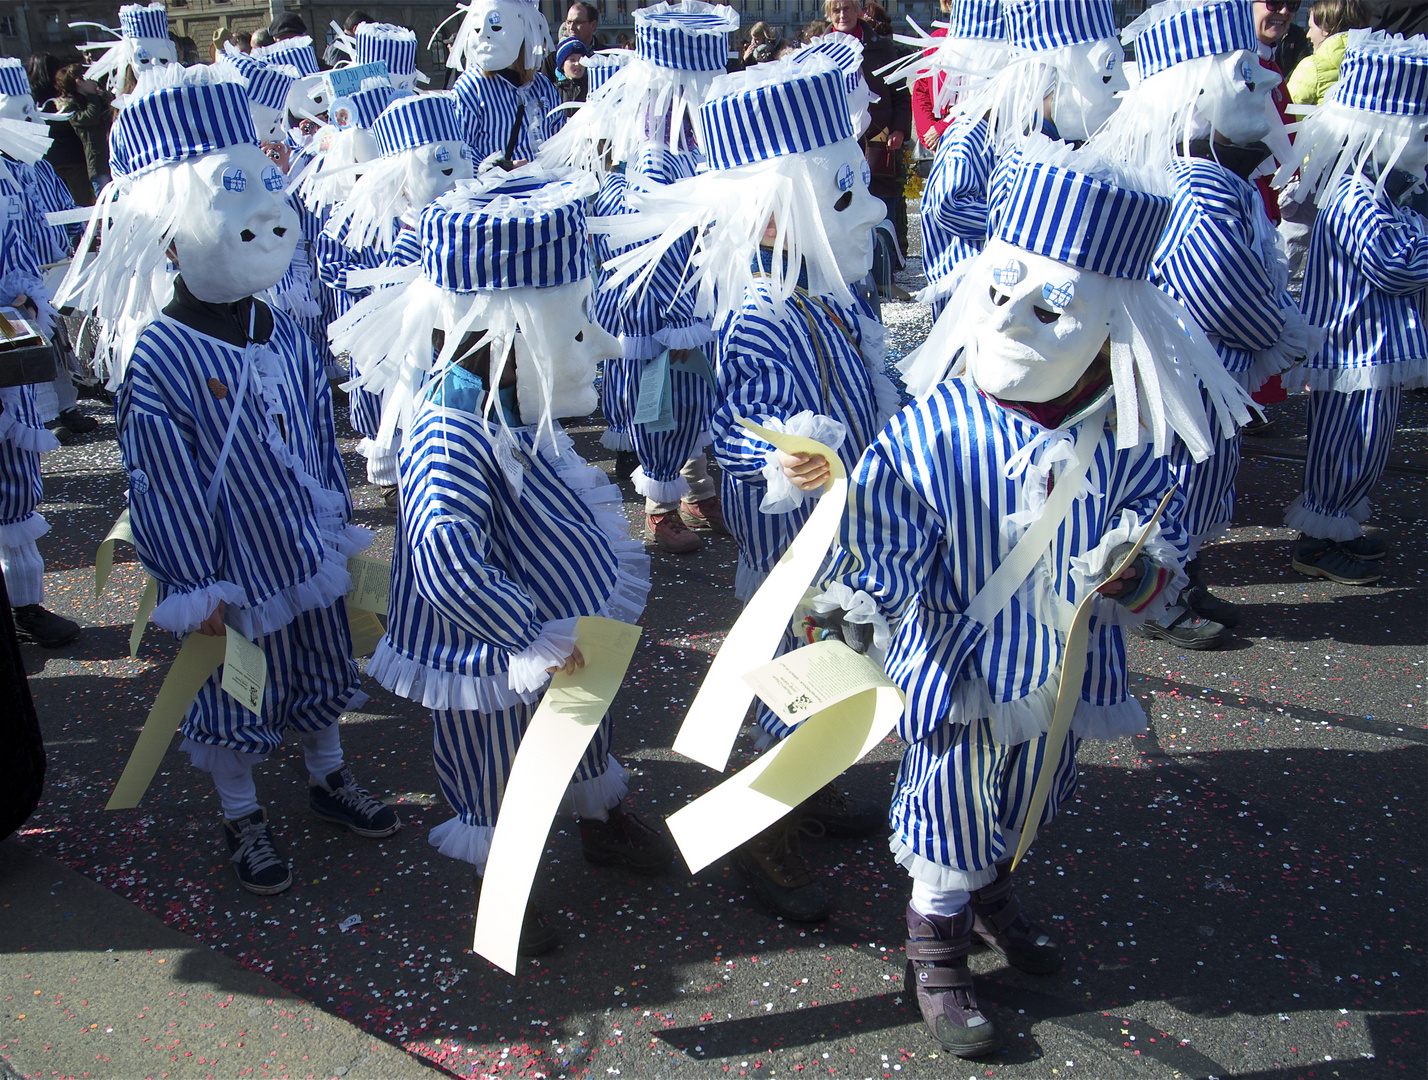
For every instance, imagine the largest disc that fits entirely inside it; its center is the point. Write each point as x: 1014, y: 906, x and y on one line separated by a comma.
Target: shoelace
x: 355, y: 799
x: 255, y: 847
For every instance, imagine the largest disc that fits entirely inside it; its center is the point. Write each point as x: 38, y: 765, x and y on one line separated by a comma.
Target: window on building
x: 7, y: 26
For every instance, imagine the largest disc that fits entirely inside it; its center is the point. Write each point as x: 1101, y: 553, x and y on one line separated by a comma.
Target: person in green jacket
x: 1329, y: 24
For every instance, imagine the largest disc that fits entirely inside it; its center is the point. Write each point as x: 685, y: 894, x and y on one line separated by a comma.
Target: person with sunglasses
x: 1283, y: 42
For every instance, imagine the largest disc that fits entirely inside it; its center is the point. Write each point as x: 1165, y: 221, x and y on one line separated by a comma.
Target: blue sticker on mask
x: 273, y: 178
x: 845, y: 177
x: 234, y: 179
x: 1247, y: 72
x: 1058, y: 296
x: 867, y: 174
x: 442, y: 154
x: 1008, y: 275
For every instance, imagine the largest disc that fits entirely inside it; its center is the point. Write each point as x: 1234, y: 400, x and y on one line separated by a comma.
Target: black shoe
x: 58, y: 429
x: 538, y: 937
x: 842, y: 816
x: 392, y: 498
x: 35, y: 625
x: 626, y: 462
x: 1199, y: 599
x: 77, y: 422
x: 1327, y: 559
x: 255, y: 857
x: 772, y: 863
x: 1181, y: 626
x: 626, y: 841
x: 338, y: 799
x: 938, y: 978
x: 1259, y: 427
x: 1365, y: 548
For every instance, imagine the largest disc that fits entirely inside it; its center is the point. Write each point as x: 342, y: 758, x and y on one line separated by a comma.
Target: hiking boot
x: 998, y: 921
x: 670, y: 533
x: 338, y: 799
x: 938, y: 975
x: 772, y: 863
x: 538, y: 937
x: 1181, y: 626
x: 1365, y: 548
x: 1327, y: 559
x: 704, y: 514
x: 842, y: 816
x: 77, y: 422
x: 261, y: 868
x: 624, y: 840
x: 35, y: 625
x: 1202, y: 602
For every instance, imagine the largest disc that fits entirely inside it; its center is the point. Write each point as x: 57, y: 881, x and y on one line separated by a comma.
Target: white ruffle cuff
x: 527, y: 670
x: 782, y: 495
x: 858, y: 607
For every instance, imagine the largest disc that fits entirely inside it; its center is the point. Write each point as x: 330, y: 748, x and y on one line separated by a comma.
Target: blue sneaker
x: 338, y: 799
x: 255, y: 857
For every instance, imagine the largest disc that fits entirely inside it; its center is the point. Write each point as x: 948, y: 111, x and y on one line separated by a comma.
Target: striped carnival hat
x: 980, y: 19
x: 196, y: 111
x: 1041, y: 25
x: 600, y: 67
x: 395, y: 46
x: 1174, y: 31
x: 1076, y: 218
x: 772, y: 110
x: 687, y: 35
x: 844, y: 50
x: 294, y: 52
x: 138, y: 21
x: 416, y: 120
x: 1383, y: 73
x: 13, y: 80
x: 366, y: 104
x: 525, y: 231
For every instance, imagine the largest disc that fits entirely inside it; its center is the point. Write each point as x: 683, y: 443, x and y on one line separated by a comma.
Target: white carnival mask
x: 1088, y: 80
x: 239, y: 233
x: 1040, y: 322
x: 153, y: 53
x: 500, y: 34
x: 435, y: 169
x: 1235, y: 100
x: 19, y: 107
x: 848, y: 211
x: 568, y: 343
x: 268, y: 122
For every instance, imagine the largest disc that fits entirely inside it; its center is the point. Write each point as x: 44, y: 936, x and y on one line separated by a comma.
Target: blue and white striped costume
x: 660, y: 317
x: 486, y: 108
x: 1366, y: 284
x: 23, y: 437
x: 930, y: 505
x: 1219, y: 258
x: 269, y: 536
x: 954, y: 205
x: 482, y: 572
x: 43, y: 192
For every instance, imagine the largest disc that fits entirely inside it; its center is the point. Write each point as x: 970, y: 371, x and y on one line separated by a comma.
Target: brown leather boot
x: 772, y: 863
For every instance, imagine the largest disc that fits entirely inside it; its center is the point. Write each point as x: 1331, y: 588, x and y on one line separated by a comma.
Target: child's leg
x: 663, y: 454
x: 610, y: 835
x: 619, y: 389
x: 473, y: 753
x: 1350, y: 437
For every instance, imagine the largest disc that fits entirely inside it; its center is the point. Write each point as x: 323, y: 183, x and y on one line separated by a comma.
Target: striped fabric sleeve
x: 890, y: 533
x: 334, y: 259
x: 755, y: 383
x: 406, y: 249
x: 1392, y: 250
x: 1210, y: 260
x: 449, y: 528
x: 956, y: 190
x: 324, y: 421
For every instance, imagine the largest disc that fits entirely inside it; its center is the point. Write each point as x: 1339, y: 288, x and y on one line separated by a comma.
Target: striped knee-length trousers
x: 1350, y: 436
x: 662, y: 453
x: 1209, y: 489
x: 474, y: 751
x: 960, y: 793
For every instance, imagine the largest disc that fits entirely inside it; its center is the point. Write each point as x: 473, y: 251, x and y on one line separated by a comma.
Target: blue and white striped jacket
x: 41, y: 192
x: 926, y: 528
x: 954, y: 203
x: 1215, y: 261
x: 277, y: 540
x: 809, y: 359
x: 486, y: 109
x: 1365, y: 280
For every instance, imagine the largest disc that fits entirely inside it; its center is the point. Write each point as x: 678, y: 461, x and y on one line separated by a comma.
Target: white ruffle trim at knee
x: 468, y: 843
x: 594, y: 798
x: 1323, y: 526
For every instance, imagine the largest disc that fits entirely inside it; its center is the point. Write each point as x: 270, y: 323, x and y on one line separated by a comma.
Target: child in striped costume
x: 498, y: 49
x: 636, y: 131
x: 1056, y: 360
x: 784, y: 223
x: 237, y: 494
x: 420, y: 155
x: 1051, y: 66
x: 1202, y: 109
x: 507, y: 536
x: 1364, y: 154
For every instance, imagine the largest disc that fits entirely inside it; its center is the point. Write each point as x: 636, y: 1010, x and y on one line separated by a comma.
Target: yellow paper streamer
x: 196, y: 662
x: 717, y: 712
x: 561, y: 729
x: 147, y: 599
x: 1068, y: 691
x: 104, y: 557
